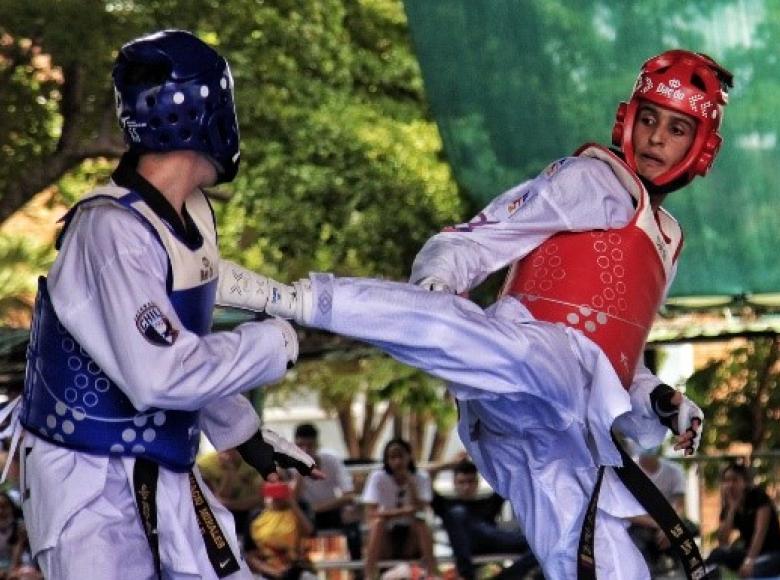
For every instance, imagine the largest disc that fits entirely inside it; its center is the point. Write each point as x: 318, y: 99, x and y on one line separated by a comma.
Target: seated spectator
x: 278, y: 534
x: 396, y: 499
x: 747, y: 510
x: 235, y: 483
x: 13, y: 538
x: 669, y: 478
x: 11, y: 483
x: 471, y: 523
x: 331, y: 500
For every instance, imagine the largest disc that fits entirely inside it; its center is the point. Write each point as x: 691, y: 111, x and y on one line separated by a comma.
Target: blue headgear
x: 174, y: 92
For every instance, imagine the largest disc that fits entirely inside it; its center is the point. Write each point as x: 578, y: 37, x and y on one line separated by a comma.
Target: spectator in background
x: 13, y: 538
x: 331, y: 500
x: 278, y: 534
x: 669, y: 478
x: 11, y: 483
x: 396, y: 499
x: 235, y: 483
x: 747, y: 510
x: 471, y: 523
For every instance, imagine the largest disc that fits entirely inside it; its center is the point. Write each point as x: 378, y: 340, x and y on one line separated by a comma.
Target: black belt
x: 217, y: 547
x: 145, y: 474
x: 656, y: 505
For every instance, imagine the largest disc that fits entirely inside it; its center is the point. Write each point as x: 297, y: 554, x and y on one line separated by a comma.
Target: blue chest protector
x: 69, y: 401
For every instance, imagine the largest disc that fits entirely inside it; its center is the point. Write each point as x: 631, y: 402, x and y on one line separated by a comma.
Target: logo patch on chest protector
x: 155, y: 326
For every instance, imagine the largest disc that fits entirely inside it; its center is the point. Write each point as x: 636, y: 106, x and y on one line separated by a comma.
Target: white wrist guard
x: 241, y: 288
x: 291, y: 301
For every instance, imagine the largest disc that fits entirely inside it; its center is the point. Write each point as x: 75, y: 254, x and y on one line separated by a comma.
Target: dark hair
x: 738, y: 469
x: 306, y: 431
x: 465, y: 467
x: 404, y: 445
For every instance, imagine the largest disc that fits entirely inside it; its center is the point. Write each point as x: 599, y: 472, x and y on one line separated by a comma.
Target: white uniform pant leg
x: 617, y: 557
x: 105, y: 540
x: 102, y: 541
x: 544, y: 475
x: 175, y: 502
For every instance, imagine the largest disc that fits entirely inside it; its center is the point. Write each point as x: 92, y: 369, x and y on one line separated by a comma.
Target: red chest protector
x: 608, y: 284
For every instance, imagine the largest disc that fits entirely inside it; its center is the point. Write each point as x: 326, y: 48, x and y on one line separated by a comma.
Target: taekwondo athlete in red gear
x: 123, y: 372
x: 538, y: 379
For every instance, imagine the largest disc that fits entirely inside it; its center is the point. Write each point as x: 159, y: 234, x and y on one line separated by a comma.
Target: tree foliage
x: 388, y: 395
x: 739, y: 395
x: 342, y: 168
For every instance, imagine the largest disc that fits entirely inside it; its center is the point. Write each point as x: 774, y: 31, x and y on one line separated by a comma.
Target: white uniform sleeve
x: 109, y: 268
x: 343, y: 477
x: 676, y: 478
x: 371, y: 491
x: 229, y: 421
x: 424, y: 487
x: 573, y: 194
x: 641, y: 424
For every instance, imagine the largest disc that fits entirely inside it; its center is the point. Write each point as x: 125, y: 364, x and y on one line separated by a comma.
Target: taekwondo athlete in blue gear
x: 123, y: 372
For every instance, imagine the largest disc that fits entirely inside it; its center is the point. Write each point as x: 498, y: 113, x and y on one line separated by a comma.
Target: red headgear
x: 687, y: 82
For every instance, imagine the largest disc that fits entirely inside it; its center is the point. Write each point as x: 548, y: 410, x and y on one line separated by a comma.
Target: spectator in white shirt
x: 396, y: 499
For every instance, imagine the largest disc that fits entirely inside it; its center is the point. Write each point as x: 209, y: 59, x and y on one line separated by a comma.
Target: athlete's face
x: 662, y: 138
x: 466, y: 485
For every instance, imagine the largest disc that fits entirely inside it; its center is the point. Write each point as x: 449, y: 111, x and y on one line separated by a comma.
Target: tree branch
x: 764, y: 378
x: 69, y: 153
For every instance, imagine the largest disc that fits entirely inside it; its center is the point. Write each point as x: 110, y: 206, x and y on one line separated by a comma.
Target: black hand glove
x: 266, y: 450
x: 661, y: 400
x: 685, y: 418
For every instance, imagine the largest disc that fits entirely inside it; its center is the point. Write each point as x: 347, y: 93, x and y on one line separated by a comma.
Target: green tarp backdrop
x: 515, y: 84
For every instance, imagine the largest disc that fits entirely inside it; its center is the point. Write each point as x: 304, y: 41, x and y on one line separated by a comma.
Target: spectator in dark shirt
x: 747, y: 510
x: 471, y: 523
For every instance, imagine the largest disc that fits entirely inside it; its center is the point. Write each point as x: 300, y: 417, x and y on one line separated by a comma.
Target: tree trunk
x: 763, y: 380
x: 418, y: 433
x: 440, y: 439
x: 70, y: 151
x: 371, y: 433
x: 347, y: 423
